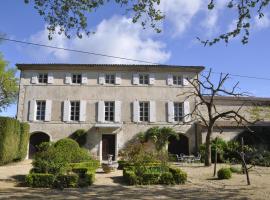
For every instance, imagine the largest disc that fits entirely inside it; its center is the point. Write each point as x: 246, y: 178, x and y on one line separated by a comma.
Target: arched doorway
x: 178, y: 146
x: 35, y: 140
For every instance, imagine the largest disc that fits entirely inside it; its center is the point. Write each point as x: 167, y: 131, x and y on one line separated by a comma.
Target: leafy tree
x: 71, y: 15
x: 8, y: 85
x: 159, y: 136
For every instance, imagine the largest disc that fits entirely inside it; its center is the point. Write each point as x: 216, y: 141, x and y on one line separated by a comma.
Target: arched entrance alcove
x: 36, y: 139
x: 178, y: 146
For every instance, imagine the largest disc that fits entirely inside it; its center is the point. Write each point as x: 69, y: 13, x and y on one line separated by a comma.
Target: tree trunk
x: 207, y: 160
x: 215, y: 167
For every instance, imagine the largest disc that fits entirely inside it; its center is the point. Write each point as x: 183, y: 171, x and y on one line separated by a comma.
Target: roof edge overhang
x: 129, y: 67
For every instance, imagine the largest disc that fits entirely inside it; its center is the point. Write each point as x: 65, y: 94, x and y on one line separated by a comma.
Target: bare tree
x: 205, y: 92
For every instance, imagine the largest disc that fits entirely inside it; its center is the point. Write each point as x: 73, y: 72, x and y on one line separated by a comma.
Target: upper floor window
x: 110, y: 79
x: 74, y: 110
x: 109, y: 111
x: 178, y: 112
x: 144, y: 79
x: 43, y: 78
x: 77, y: 78
x: 144, y: 111
x: 177, y: 80
x: 40, y: 111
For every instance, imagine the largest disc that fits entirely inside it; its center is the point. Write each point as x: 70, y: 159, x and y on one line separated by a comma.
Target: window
x: 178, y: 112
x: 77, y: 78
x: 43, y: 78
x: 110, y: 79
x: 144, y: 79
x: 144, y: 111
x: 109, y: 111
x: 40, y: 113
x: 177, y: 80
x: 75, y: 110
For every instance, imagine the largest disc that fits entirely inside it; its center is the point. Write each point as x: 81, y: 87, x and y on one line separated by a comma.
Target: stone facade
x: 126, y: 91
x: 160, y: 91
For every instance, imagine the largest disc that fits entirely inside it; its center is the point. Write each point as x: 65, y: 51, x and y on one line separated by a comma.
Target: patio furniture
x: 179, y: 158
x: 197, y: 158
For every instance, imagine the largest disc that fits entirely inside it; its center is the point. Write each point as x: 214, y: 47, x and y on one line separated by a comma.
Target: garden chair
x: 180, y: 158
x: 197, y: 158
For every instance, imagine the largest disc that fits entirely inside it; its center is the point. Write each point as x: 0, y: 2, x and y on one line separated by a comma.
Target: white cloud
x: 180, y: 13
x: 117, y: 36
x: 263, y: 22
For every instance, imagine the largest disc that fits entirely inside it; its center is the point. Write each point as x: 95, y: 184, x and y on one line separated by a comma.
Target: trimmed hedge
x: 167, y: 178
x: 40, y: 180
x: 24, y: 139
x: 153, y: 176
x: 81, y: 175
x: 14, y: 138
x: 66, y: 181
x: 224, y: 173
x: 179, y: 176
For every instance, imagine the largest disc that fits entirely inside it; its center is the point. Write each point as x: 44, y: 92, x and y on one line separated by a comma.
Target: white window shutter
x: 48, y: 110
x: 152, y: 111
x: 66, y: 114
x: 118, y: 79
x: 170, y: 79
x: 84, y: 78
x: 32, y: 111
x: 101, y: 112
x: 50, y: 78
x: 101, y: 79
x: 136, y: 111
x: 185, y: 80
x: 34, y: 78
x: 187, y: 117
x: 117, y: 111
x: 152, y: 79
x: 135, y: 79
x: 68, y: 78
x: 83, y: 110
x: 170, y: 111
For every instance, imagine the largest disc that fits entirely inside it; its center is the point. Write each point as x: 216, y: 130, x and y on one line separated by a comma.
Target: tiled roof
x: 234, y: 100
x: 46, y: 65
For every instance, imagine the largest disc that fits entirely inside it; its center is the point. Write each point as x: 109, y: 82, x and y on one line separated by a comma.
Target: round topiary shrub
x: 224, y: 173
x: 79, y: 136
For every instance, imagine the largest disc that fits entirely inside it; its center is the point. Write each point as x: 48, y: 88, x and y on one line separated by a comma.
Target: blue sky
x: 116, y: 35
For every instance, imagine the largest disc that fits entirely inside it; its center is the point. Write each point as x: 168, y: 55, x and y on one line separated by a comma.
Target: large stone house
x: 112, y: 102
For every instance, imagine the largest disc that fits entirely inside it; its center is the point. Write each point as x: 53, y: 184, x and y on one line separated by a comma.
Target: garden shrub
x: 66, y: 181
x: 9, y: 139
x: 224, y: 173
x: 237, y: 170
x: 157, y: 175
x: 130, y: 177
x: 56, y: 158
x: 80, y: 136
x: 167, y: 178
x: 180, y: 177
x: 80, y: 171
x: 122, y: 164
x: 90, y: 165
x: 150, y: 178
x: 40, y: 180
x: 24, y: 139
x: 87, y: 180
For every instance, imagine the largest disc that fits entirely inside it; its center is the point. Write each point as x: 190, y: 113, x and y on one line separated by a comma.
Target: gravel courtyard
x: 201, y: 185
